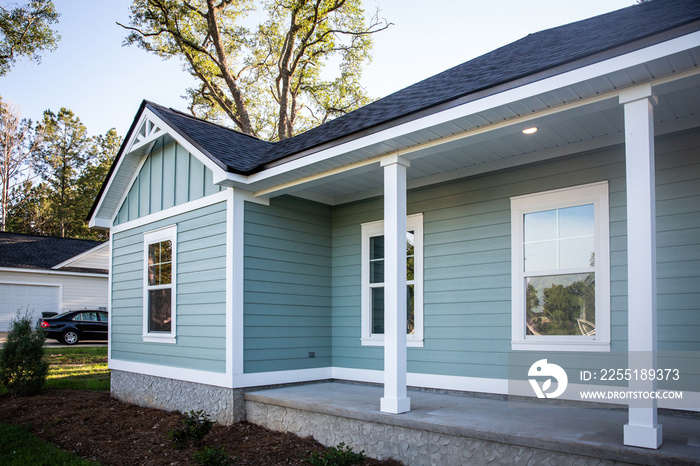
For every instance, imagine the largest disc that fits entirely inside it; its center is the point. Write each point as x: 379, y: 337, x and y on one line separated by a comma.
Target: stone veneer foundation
x: 224, y: 405
x: 411, y: 445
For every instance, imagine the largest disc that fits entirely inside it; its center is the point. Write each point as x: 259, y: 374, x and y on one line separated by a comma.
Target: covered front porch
x: 459, y: 429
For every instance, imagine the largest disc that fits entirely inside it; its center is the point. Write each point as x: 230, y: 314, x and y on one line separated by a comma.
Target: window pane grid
x: 159, y: 294
x: 376, y: 285
x: 559, y: 239
x: 559, y: 271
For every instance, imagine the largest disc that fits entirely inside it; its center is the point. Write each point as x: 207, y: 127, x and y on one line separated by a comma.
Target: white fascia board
x: 81, y: 255
x: 568, y: 78
x: 99, y: 223
x: 53, y: 272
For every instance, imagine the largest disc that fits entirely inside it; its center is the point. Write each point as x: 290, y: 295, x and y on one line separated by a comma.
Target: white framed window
x: 373, y: 282
x: 560, y: 246
x: 159, y: 285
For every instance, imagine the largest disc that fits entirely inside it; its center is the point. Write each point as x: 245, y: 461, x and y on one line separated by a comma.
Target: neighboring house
x: 48, y: 274
x: 239, y: 263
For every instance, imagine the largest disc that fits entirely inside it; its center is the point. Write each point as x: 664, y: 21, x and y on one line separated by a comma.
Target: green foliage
x: 213, y: 457
x: 342, y: 455
x: 25, y: 31
x: 563, y: 306
x: 18, y: 447
x: 18, y: 145
x: 196, y: 425
x: 72, y: 166
x: 270, y: 79
x: 23, y: 369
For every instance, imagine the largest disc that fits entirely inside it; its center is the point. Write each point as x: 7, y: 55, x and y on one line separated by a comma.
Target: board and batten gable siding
x: 201, y: 293
x: 170, y: 176
x: 287, y: 285
x: 467, y: 249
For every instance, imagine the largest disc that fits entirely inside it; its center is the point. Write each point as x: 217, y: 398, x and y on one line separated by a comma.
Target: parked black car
x: 73, y: 326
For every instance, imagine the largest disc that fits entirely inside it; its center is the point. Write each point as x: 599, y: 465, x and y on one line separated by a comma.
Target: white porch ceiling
x: 578, y: 117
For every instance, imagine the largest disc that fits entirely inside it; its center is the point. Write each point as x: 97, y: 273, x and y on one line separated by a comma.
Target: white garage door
x: 34, y: 297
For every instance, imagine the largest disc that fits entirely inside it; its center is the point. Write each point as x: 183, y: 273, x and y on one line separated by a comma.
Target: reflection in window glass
x: 159, y: 303
x: 159, y: 263
x: 561, y: 304
x: 376, y: 274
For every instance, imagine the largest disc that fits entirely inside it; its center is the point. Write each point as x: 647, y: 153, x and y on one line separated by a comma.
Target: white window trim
x: 156, y: 236
x: 596, y: 194
x: 370, y: 229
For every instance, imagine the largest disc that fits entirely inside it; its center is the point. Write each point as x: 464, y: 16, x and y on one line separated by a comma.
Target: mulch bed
x: 97, y: 427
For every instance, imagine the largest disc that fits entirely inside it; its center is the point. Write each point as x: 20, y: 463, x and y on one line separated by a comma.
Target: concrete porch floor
x: 541, y: 432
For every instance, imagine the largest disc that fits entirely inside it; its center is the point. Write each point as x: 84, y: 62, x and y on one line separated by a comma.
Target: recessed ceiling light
x: 530, y: 130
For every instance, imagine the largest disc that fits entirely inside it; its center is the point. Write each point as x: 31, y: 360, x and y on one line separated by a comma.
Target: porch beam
x: 642, y: 430
x: 395, y: 400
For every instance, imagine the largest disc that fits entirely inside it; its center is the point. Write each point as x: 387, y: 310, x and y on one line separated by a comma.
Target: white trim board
x: 221, y: 196
x: 431, y: 381
x: 53, y: 272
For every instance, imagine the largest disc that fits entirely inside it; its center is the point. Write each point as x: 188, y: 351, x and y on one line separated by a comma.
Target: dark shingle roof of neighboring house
x: 42, y: 252
x: 538, y: 52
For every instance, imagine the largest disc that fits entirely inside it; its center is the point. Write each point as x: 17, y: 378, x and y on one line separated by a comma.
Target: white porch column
x: 395, y: 400
x: 642, y: 429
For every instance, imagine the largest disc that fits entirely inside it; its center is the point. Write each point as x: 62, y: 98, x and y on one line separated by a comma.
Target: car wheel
x: 70, y: 337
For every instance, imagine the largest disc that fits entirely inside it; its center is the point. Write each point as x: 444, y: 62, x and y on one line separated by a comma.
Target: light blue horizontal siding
x: 287, y: 286
x: 170, y: 176
x: 467, y: 280
x: 201, y: 293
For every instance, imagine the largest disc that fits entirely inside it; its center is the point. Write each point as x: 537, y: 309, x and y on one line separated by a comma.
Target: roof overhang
x: 581, y: 95
x: 576, y: 107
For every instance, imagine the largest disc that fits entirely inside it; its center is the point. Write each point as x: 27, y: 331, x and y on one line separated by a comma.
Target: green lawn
x: 18, y: 447
x: 80, y: 368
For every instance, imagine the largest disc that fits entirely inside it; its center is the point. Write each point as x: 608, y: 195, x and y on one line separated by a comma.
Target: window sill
x: 378, y: 341
x: 155, y: 338
x: 561, y: 345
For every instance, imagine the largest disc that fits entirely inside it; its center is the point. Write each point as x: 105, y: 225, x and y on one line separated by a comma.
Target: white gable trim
x: 150, y: 128
x: 81, y: 256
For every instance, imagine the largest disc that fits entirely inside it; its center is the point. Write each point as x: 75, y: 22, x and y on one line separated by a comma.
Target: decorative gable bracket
x: 148, y: 132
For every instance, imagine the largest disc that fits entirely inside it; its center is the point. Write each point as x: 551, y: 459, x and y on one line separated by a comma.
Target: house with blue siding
x: 539, y: 202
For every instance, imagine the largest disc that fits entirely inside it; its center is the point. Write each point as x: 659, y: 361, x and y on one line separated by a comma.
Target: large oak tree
x: 25, y: 31
x: 269, y: 79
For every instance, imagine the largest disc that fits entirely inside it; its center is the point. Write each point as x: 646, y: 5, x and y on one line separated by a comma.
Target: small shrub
x: 23, y: 369
x: 196, y: 425
x: 179, y: 438
x: 342, y: 455
x: 213, y: 457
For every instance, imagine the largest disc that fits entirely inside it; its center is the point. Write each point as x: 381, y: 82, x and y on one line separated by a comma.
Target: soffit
x: 579, y: 116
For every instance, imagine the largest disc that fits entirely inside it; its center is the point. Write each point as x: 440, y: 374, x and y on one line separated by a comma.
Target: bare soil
x: 97, y: 427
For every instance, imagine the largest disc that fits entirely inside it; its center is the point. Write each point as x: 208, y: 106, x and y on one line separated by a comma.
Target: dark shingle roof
x: 41, y: 252
x: 538, y: 52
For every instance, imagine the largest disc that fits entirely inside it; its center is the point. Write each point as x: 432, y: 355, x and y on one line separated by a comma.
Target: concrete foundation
x: 224, y: 405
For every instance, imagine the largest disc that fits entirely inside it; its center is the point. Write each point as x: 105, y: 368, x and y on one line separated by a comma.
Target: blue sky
x: 104, y: 83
